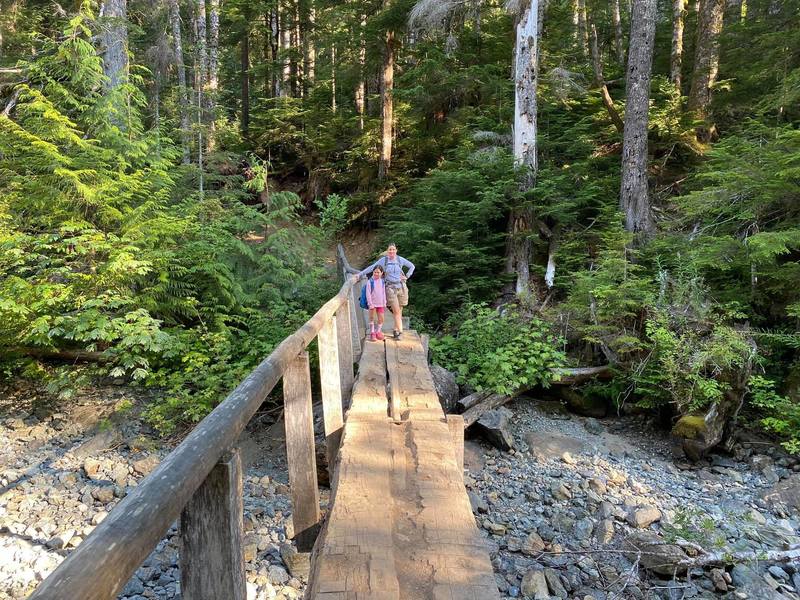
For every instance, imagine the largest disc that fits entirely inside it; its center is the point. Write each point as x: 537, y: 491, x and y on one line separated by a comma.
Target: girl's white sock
x: 371, y: 327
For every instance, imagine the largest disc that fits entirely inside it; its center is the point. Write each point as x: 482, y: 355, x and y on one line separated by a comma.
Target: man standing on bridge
x: 396, y: 289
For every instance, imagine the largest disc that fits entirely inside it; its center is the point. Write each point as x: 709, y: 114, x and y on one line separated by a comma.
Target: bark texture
x: 526, y: 50
x: 619, y: 46
x: 706, y: 57
x: 309, y: 48
x: 676, y: 56
x: 213, y: 69
x: 387, y: 106
x: 245, y: 81
x: 634, y: 198
x: 114, y: 37
x: 360, y: 95
x: 180, y: 67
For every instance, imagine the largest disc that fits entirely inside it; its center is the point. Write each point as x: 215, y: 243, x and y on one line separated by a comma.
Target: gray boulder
x: 493, y: 426
x: 446, y: 387
x: 654, y: 554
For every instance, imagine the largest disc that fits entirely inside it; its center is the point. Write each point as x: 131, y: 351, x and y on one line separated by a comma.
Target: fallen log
x: 483, y: 404
x: 474, y: 405
x: 732, y: 558
x: 64, y: 355
x: 580, y: 374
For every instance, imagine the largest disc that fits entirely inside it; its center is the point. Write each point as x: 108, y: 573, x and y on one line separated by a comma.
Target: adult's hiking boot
x: 396, y: 334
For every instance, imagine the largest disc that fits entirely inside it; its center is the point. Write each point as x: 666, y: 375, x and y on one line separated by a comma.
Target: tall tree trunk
x: 183, y: 96
x: 619, y: 46
x: 275, y: 36
x: 309, y: 48
x: 601, y: 83
x: 634, y: 198
x: 583, y: 29
x: 213, y: 69
x: 576, y: 18
x: 526, y: 50
x: 114, y: 37
x: 387, y: 103
x: 333, y: 77
x: 295, y: 66
x: 676, y: 56
x: 200, y: 70
x: 706, y: 61
x: 362, y: 60
x: 286, y: 44
x: 245, y: 79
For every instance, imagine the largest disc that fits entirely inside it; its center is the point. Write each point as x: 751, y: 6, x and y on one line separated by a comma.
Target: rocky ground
x: 590, y: 509
x: 580, y: 508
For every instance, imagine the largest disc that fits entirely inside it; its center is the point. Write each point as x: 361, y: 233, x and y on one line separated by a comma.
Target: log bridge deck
x: 401, y: 525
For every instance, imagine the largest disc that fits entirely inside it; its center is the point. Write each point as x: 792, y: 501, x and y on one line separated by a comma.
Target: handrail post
x: 345, y: 352
x: 300, y: 457
x: 356, y: 320
x: 212, y: 558
x: 331, y: 387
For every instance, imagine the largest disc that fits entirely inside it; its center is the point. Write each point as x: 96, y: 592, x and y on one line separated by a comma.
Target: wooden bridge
x: 399, y: 524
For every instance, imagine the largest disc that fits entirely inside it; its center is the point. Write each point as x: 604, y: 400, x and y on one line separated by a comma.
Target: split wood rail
x: 201, y: 479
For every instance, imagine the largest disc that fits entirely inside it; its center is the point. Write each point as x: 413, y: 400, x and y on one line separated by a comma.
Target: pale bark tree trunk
x: 676, y: 56
x: 295, y: 66
x: 200, y: 68
x: 619, y: 46
x: 583, y: 29
x: 362, y: 60
x: 245, y: 79
x: 275, y: 36
x: 634, y: 198
x: 333, y: 77
x: 309, y: 49
x: 526, y: 50
x: 201, y: 44
x: 286, y: 43
x: 183, y: 96
x: 601, y: 83
x: 706, y: 60
x: 114, y: 37
x: 576, y: 17
x: 387, y: 110
x: 213, y: 69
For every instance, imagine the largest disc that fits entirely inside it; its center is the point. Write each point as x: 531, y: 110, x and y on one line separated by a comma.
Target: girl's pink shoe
x: 379, y: 335
x: 373, y: 337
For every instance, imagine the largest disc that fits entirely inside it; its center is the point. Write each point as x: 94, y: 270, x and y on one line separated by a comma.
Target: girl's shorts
x: 379, y: 309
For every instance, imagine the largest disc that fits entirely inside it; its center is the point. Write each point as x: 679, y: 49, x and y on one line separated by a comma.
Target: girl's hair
x: 378, y: 268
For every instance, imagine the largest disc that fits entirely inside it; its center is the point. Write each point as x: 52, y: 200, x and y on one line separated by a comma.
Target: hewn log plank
x: 101, y: 566
x: 299, y: 423
x: 331, y: 387
x: 346, y: 374
x: 456, y: 425
x: 212, y: 558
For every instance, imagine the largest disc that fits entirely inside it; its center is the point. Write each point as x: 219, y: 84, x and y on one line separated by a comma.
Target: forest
x: 579, y: 182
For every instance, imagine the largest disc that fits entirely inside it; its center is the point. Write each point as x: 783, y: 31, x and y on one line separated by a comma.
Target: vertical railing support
x: 357, y: 325
x: 345, y: 352
x: 302, y: 463
x: 331, y: 387
x: 212, y: 558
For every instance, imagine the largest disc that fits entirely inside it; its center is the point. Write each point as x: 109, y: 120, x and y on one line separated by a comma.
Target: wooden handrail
x: 104, y: 562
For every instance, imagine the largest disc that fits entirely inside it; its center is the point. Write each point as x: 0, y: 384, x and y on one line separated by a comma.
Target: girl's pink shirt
x: 377, y: 297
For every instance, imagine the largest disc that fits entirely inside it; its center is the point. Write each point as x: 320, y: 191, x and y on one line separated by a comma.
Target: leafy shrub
x: 332, y: 215
x: 501, y: 353
x: 782, y: 415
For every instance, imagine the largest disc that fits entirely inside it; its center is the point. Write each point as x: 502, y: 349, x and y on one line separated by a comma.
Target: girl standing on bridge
x: 376, y: 301
x: 395, y: 279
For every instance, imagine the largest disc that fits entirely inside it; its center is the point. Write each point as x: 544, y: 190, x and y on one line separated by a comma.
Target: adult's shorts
x: 397, y: 294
